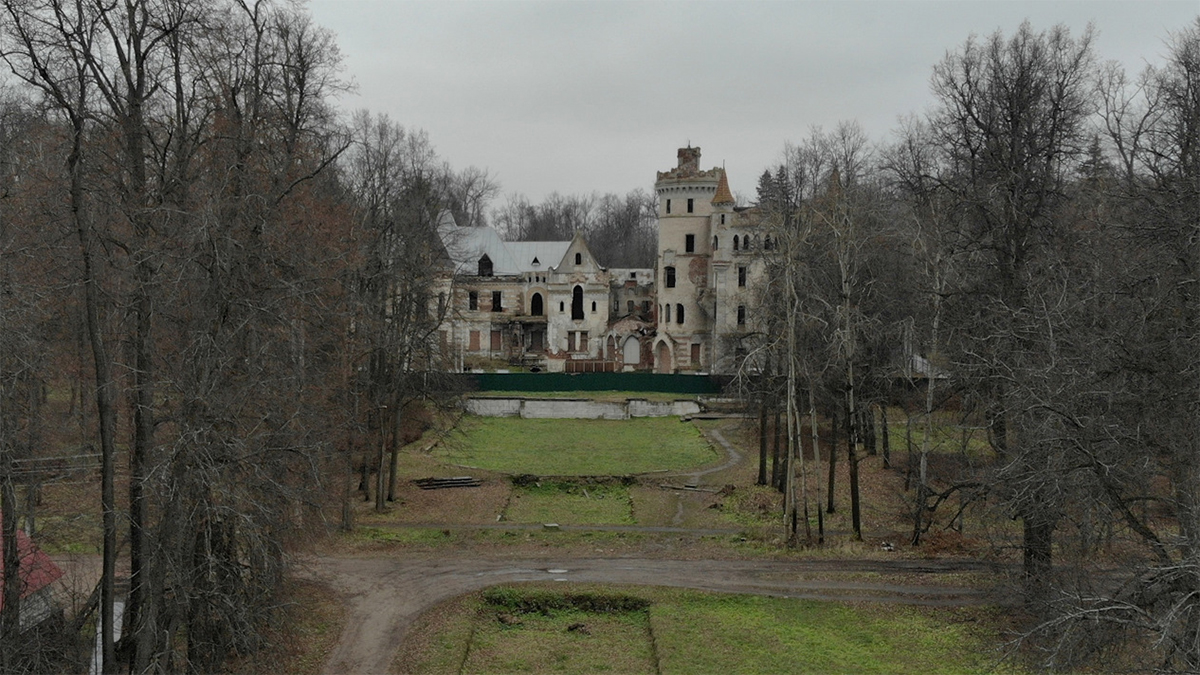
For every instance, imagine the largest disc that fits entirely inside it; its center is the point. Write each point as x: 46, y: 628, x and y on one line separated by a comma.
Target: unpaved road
x: 385, y: 595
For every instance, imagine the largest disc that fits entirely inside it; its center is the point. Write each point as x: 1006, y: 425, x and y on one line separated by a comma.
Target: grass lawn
x: 570, y: 504
x: 610, y: 395
x: 577, y: 447
x: 687, y: 631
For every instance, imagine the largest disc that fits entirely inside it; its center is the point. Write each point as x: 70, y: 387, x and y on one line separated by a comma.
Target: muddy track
x: 385, y: 595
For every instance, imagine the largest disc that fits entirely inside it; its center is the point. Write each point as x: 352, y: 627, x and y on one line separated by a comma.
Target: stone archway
x: 662, y: 359
x: 631, y: 354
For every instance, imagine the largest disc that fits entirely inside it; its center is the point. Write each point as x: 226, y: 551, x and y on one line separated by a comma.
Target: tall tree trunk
x: 885, y: 436
x: 833, y: 448
x: 776, y: 473
x: 812, y: 415
x: 762, y: 442
x: 852, y: 463
x: 10, y: 614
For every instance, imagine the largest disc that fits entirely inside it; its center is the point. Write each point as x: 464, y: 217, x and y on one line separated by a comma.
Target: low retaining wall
x: 576, y: 408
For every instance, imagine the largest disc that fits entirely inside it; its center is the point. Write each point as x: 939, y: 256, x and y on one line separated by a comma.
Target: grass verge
x: 541, y: 629
x: 569, y: 503
x: 577, y: 447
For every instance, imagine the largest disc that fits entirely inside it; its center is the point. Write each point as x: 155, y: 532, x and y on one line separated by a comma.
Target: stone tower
x: 690, y: 202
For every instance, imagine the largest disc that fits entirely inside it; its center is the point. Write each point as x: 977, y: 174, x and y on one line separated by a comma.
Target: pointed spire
x: 723, y: 196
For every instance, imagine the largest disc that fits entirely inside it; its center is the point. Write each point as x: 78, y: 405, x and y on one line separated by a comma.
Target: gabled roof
x: 36, y: 570
x: 466, y: 245
x: 547, y: 253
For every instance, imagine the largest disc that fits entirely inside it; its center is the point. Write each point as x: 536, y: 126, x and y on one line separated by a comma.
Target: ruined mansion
x: 548, y: 305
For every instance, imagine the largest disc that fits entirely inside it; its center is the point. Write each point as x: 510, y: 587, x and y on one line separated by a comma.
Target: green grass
x: 571, y: 504
x: 577, y: 447
x: 524, y: 629
x: 744, y: 633
x: 602, y: 395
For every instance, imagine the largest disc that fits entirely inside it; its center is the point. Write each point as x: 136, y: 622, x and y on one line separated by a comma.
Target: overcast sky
x: 581, y: 97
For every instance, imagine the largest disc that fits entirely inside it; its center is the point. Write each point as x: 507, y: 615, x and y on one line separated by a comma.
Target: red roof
x: 37, y: 570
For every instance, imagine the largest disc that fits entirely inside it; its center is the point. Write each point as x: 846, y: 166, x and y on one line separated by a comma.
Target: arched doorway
x: 662, y: 359
x: 536, y: 307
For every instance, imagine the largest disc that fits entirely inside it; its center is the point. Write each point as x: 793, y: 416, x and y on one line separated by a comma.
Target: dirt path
x: 385, y: 595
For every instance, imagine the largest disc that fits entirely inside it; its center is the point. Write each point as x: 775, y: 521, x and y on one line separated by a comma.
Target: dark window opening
x: 689, y: 243
x: 473, y: 300
x: 561, y: 307
x: 746, y: 241
x: 741, y: 276
x: 722, y: 218
x: 535, y: 305
x: 669, y: 277
x: 767, y: 245
x: 496, y: 304
x: 630, y: 307
x: 735, y: 242
x: 485, y: 266
x: 690, y: 201
x: 714, y: 243
x: 741, y: 315
x: 593, y: 305
x: 578, y: 258
x: 668, y: 312
x: 668, y: 206
x: 679, y: 313
x: 577, y: 304
x: 646, y: 306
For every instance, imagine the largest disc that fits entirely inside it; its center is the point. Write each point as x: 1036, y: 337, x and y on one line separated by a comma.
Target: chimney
x: 689, y: 158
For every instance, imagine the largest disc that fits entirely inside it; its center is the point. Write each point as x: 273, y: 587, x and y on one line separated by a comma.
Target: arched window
x: 561, y: 307
x: 678, y: 313
x: 669, y: 277
x: 746, y: 241
x: 668, y: 312
x: 535, y: 305
x: 735, y: 242
x: 485, y: 266
x: 714, y: 243
x: 578, y: 258
x: 593, y: 305
x: 577, y: 304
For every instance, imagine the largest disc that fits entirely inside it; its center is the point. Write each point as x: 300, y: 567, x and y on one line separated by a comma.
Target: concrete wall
x: 533, y: 408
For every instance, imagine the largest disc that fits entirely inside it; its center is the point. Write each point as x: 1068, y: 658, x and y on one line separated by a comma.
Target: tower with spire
x: 693, y: 205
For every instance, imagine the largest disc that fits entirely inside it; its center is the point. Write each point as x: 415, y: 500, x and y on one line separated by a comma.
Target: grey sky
x: 577, y: 97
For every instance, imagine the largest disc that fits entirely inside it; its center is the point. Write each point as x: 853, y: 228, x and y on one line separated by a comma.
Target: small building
x: 37, y: 573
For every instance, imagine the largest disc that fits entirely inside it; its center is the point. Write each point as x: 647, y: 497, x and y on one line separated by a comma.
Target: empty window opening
x: 561, y: 307
x: 735, y: 242
x: 669, y: 277
x: 690, y: 204
x: 689, y: 243
x: 578, y: 258
x: 485, y: 266
x: 741, y: 315
x: 630, y: 307
x: 714, y: 243
x: 593, y: 305
x: 577, y: 304
x: 668, y: 206
x: 668, y: 312
x: 497, y: 305
x: 535, y: 305
x: 741, y: 276
x: 473, y: 300
x: 678, y: 313
x: 722, y: 218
